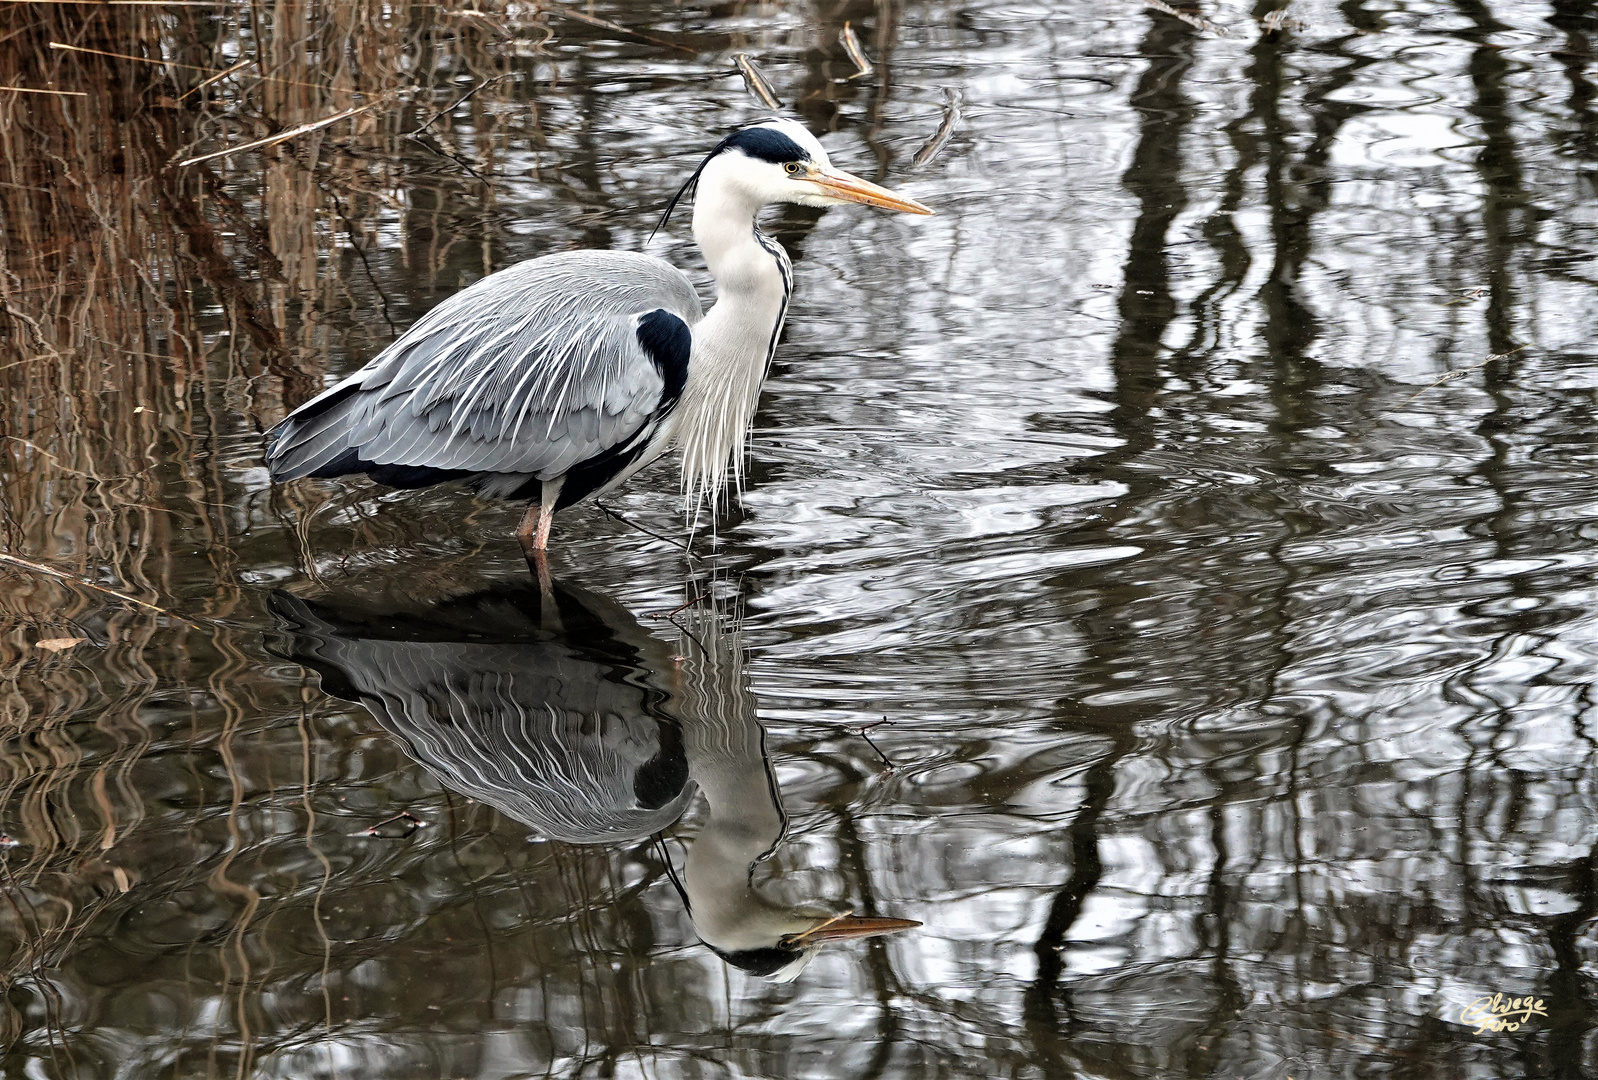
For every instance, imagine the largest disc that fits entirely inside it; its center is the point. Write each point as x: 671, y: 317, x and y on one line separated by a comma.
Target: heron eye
x: 793, y: 168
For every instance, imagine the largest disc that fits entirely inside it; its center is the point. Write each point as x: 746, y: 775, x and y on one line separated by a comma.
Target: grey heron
x: 558, y: 378
x: 558, y: 709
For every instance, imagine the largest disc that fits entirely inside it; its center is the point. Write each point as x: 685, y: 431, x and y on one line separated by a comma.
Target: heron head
x: 777, y: 945
x: 778, y: 160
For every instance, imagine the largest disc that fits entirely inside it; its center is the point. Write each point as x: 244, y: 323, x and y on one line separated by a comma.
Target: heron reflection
x: 559, y: 710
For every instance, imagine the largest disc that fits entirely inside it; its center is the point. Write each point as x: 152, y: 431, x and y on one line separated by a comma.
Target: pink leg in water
x: 534, y: 536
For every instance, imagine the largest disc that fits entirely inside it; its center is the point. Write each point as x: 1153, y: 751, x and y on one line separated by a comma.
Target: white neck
x: 726, y: 752
x: 732, y: 345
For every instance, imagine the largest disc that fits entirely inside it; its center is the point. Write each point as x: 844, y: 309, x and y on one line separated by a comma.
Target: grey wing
x: 546, y: 732
x: 529, y: 371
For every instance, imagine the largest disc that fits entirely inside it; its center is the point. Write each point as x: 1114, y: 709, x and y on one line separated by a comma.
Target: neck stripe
x: 786, y: 270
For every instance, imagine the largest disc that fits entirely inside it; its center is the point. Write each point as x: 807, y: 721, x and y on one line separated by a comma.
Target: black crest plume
x: 758, y: 141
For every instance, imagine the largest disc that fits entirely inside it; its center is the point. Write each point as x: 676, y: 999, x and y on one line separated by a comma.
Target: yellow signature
x: 1498, y: 1013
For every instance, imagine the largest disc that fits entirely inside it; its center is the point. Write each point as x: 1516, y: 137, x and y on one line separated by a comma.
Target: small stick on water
x: 1470, y: 294
x: 174, y: 63
x: 218, y: 77
x: 74, y: 579
x: 282, y: 136
x: 457, y: 103
x: 1459, y: 373
x: 1198, y: 22
x: 404, y: 815
x: 862, y: 732
x: 1280, y: 20
x: 680, y: 608
x: 608, y: 512
x: 952, y: 99
x: 133, y: 3
x: 422, y: 140
x: 851, y: 45
x: 756, y: 82
x: 57, y: 93
x: 606, y: 24
x: 426, y: 143
x: 129, y: 56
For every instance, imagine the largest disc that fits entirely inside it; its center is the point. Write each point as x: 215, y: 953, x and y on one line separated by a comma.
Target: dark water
x: 1204, y: 499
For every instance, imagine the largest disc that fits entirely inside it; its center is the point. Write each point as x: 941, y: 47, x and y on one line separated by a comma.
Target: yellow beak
x: 842, y: 185
x: 848, y: 927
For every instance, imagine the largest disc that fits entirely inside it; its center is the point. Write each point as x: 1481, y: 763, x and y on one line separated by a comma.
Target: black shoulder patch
x: 766, y: 144
x: 662, y: 778
x: 668, y: 341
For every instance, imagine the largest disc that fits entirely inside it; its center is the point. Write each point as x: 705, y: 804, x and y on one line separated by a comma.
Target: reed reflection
x: 561, y: 711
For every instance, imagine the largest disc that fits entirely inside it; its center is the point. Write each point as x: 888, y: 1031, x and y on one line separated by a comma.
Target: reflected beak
x: 847, y: 186
x: 849, y: 927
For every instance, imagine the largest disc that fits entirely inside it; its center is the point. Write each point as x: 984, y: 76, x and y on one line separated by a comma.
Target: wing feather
x: 529, y: 371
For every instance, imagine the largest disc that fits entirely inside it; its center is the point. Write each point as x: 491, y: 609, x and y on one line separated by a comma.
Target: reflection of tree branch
x: 255, y: 237
x: 1570, y: 1014
x: 884, y: 982
x: 215, y: 268
x: 425, y: 141
x: 1087, y: 868
x: 1154, y: 179
x: 1229, y: 998
x: 360, y: 253
x: 1573, y: 17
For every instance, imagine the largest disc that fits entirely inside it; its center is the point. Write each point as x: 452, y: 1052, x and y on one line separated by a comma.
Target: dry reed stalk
x: 130, y: 3
x: 284, y: 136
x: 150, y: 319
x: 84, y: 583
x: 218, y: 77
x: 60, y: 47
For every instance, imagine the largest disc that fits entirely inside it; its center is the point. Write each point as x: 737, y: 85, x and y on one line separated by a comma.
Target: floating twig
x: 1458, y: 373
x: 457, y: 103
x: 1198, y: 22
x: 679, y: 545
x: 422, y: 139
x: 74, y: 579
x: 1280, y: 20
x: 1470, y: 294
x: 952, y: 100
x: 129, y: 56
x: 58, y: 93
x: 851, y: 45
x: 680, y: 608
x: 410, y: 823
x: 282, y: 136
x: 756, y: 82
x: 863, y: 731
x: 218, y: 77
x: 133, y: 3
x: 605, y: 24
x: 426, y: 141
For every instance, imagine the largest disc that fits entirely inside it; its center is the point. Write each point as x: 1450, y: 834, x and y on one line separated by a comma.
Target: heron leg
x: 533, y: 533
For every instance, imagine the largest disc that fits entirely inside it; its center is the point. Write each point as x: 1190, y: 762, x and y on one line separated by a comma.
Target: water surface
x: 1204, y: 499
